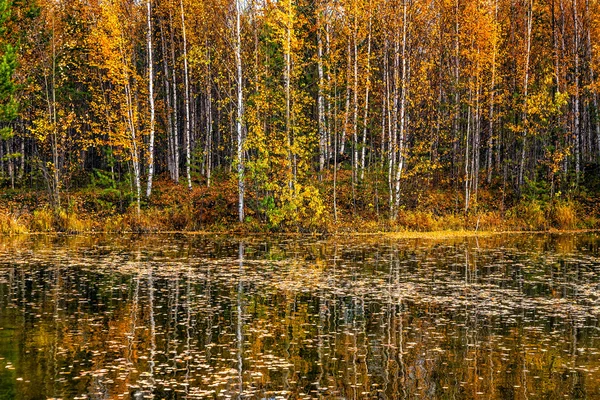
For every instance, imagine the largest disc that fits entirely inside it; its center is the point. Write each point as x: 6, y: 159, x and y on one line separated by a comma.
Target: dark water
x: 500, y: 317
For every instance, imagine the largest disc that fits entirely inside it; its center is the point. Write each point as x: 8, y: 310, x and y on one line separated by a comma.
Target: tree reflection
x: 255, y: 318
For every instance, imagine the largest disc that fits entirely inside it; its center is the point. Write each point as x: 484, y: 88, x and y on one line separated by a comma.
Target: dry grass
x: 42, y: 221
x: 564, y: 215
x: 174, y: 209
x: 11, y: 225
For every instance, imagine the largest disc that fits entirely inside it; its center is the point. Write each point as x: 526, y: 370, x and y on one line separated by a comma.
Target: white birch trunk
x: 492, y: 99
x: 321, y: 104
x: 366, y: 109
x: 240, y: 111
x: 402, y: 123
x: 188, y: 153
x: 175, y: 110
x: 577, y: 133
x: 526, y: 91
x: 150, y: 98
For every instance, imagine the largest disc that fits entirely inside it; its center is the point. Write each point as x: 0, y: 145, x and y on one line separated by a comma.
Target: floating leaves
x: 186, y: 317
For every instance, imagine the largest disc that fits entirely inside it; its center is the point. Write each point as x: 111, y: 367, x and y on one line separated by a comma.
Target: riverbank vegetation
x: 213, y: 209
x: 345, y: 115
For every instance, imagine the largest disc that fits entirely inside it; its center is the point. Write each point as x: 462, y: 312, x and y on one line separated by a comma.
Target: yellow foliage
x: 10, y: 225
x: 42, y: 220
x: 564, y: 215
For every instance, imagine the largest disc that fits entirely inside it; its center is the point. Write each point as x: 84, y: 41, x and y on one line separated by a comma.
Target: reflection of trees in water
x: 254, y: 320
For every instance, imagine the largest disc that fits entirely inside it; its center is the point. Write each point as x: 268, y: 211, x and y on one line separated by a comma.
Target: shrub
x: 10, y: 225
x: 532, y: 215
x: 564, y: 215
x: 42, y: 220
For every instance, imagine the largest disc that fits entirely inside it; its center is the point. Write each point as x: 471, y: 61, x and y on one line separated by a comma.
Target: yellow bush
x: 114, y: 224
x: 11, y: 225
x: 564, y: 215
x: 532, y: 215
x: 491, y: 221
x: 70, y: 222
x: 42, y: 220
x: 417, y: 220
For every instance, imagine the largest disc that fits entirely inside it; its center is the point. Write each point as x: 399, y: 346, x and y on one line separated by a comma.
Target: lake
x: 277, y: 317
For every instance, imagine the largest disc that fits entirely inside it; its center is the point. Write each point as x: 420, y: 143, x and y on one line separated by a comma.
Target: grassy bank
x: 173, y: 208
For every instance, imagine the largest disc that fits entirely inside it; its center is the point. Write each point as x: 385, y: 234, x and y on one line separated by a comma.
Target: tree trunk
x: 492, y: 95
x: 526, y: 92
x: 188, y: 153
x: 175, y: 107
x: 240, y: 111
x: 150, y: 97
x: 366, y: 109
x: 321, y: 101
x: 209, y: 122
x: 402, y: 127
x: 166, y: 81
x: 576, y: 133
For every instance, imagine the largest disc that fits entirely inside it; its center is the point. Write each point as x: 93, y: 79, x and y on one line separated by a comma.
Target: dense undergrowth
x: 108, y: 208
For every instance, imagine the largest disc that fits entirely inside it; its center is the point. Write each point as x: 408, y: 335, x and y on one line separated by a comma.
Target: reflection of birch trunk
x: 354, y: 349
x: 188, y: 328
x: 240, y: 321
x: 174, y: 319
x: 400, y: 330
x: 335, y: 308
x: 56, y: 327
x: 320, y: 340
x: 133, y: 316
x: 388, y: 346
x: 209, y: 314
x: 152, y: 327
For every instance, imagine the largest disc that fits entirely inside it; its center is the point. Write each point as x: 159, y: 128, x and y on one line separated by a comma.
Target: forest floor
x: 172, y: 208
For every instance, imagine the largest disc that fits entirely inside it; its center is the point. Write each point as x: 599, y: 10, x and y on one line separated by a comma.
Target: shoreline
x: 439, y: 234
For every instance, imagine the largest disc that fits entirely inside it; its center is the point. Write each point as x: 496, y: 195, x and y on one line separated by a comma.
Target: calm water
x: 289, y: 317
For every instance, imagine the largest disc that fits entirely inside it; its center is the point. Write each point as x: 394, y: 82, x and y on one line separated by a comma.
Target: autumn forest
x: 296, y: 114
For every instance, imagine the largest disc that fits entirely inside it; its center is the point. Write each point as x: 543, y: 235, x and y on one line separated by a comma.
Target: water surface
x: 173, y: 316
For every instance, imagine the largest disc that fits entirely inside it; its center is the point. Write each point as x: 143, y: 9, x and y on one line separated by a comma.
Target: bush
x: 564, y: 215
x: 532, y: 215
x: 42, y: 220
x: 10, y: 225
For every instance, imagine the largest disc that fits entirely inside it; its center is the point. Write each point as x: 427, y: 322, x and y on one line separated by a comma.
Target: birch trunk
x: 321, y: 104
x: 188, y: 155
x: 288, y: 100
x: 402, y: 124
x: 492, y: 95
x: 209, y: 123
x: 526, y: 92
x: 175, y: 111
x: 167, y: 84
x: 240, y: 111
x: 577, y: 133
x: 150, y: 97
x: 355, y: 104
x: 366, y: 109
x: 594, y: 91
